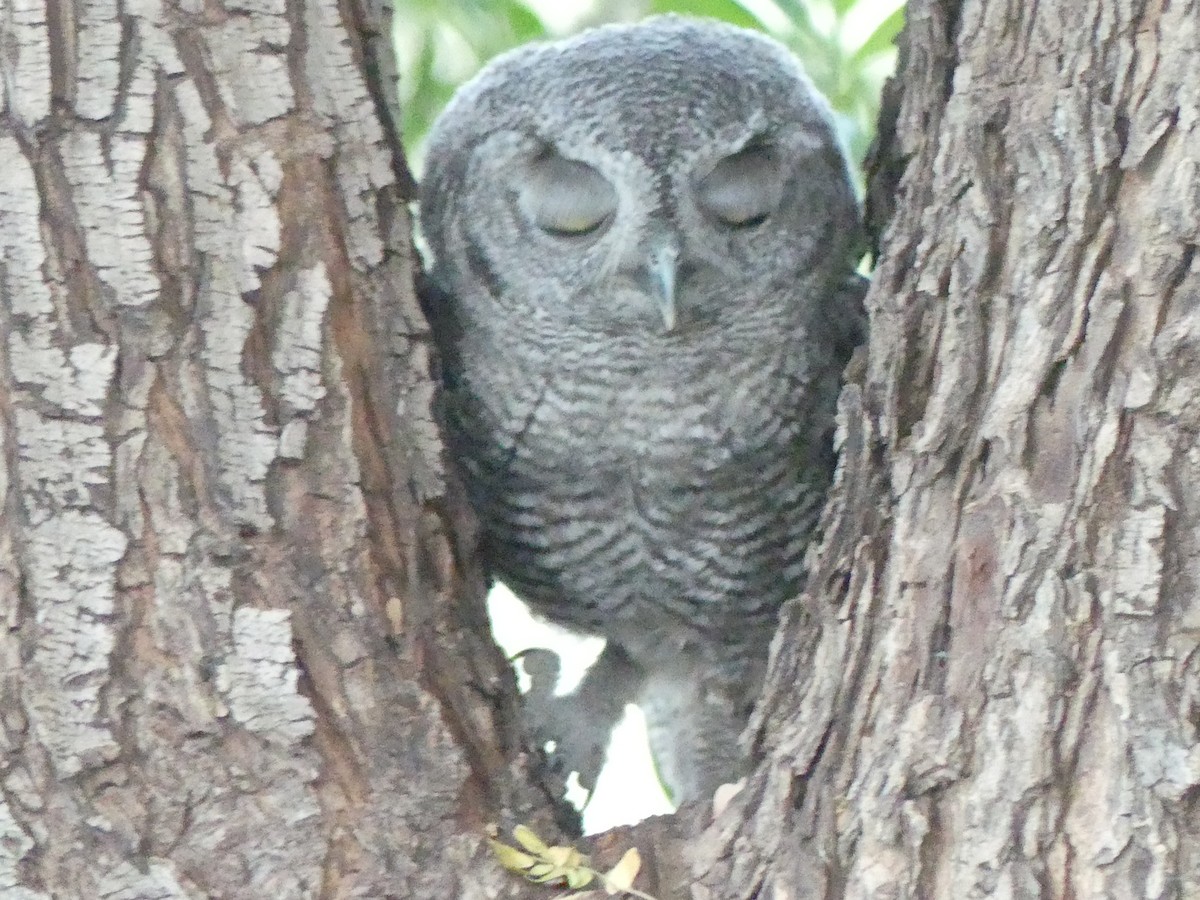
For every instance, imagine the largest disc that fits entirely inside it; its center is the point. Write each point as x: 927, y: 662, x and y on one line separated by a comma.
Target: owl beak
x: 663, y: 266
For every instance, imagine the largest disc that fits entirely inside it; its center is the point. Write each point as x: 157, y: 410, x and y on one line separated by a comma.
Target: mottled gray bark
x: 245, y: 653
x: 243, y: 656
x: 992, y: 688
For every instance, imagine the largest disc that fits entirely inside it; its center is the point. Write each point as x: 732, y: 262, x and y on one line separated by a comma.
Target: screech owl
x: 643, y: 242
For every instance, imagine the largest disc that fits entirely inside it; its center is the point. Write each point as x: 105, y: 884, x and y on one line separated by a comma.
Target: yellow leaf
x: 621, y: 876
x: 577, y: 878
x: 511, y: 858
x: 530, y: 841
x: 567, y: 857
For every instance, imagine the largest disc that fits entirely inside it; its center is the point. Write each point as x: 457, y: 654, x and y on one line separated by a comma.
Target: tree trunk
x: 992, y: 688
x: 244, y: 655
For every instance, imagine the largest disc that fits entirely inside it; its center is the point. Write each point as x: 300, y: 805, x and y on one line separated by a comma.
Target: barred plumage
x: 643, y: 243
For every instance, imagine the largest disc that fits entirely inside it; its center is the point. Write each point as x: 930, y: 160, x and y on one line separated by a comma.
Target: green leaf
x: 524, y: 22
x: 725, y: 10
x: 420, y: 91
x: 798, y: 13
x: 882, y: 39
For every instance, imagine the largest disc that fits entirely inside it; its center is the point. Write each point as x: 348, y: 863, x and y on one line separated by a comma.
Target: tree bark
x: 244, y: 655
x: 991, y: 688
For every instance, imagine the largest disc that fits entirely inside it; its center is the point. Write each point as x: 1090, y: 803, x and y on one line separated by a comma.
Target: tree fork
x: 245, y: 653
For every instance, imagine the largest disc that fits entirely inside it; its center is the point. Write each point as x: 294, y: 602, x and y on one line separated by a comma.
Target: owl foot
x: 573, y: 730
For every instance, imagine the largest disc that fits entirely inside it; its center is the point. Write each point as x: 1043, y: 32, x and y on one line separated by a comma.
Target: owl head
x: 660, y: 178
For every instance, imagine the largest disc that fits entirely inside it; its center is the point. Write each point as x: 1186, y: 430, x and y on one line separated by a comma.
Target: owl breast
x: 645, y: 489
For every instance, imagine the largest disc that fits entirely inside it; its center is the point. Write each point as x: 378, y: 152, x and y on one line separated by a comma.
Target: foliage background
x: 846, y: 45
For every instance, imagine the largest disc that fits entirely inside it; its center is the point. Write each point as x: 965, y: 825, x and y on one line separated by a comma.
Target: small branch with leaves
x: 556, y: 865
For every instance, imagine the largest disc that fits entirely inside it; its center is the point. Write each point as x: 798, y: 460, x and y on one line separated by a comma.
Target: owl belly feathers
x: 674, y: 493
x: 642, y: 242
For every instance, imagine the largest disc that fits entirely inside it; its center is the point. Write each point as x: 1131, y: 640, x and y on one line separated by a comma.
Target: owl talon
x: 578, y: 724
x: 571, y: 733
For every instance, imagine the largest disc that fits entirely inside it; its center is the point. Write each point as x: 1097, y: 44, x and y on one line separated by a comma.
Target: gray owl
x: 642, y: 245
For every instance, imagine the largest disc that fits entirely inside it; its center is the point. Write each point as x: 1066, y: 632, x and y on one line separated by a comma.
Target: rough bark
x: 243, y: 656
x: 991, y: 687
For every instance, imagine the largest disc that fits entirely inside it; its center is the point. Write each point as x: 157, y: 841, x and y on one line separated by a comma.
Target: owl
x: 642, y: 244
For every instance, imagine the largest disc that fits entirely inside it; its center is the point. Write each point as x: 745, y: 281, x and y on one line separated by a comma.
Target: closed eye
x: 743, y: 189
x: 566, y: 197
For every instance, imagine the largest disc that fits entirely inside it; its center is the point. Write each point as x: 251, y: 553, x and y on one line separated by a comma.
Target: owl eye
x: 566, y: 197
x: 742, y: 189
